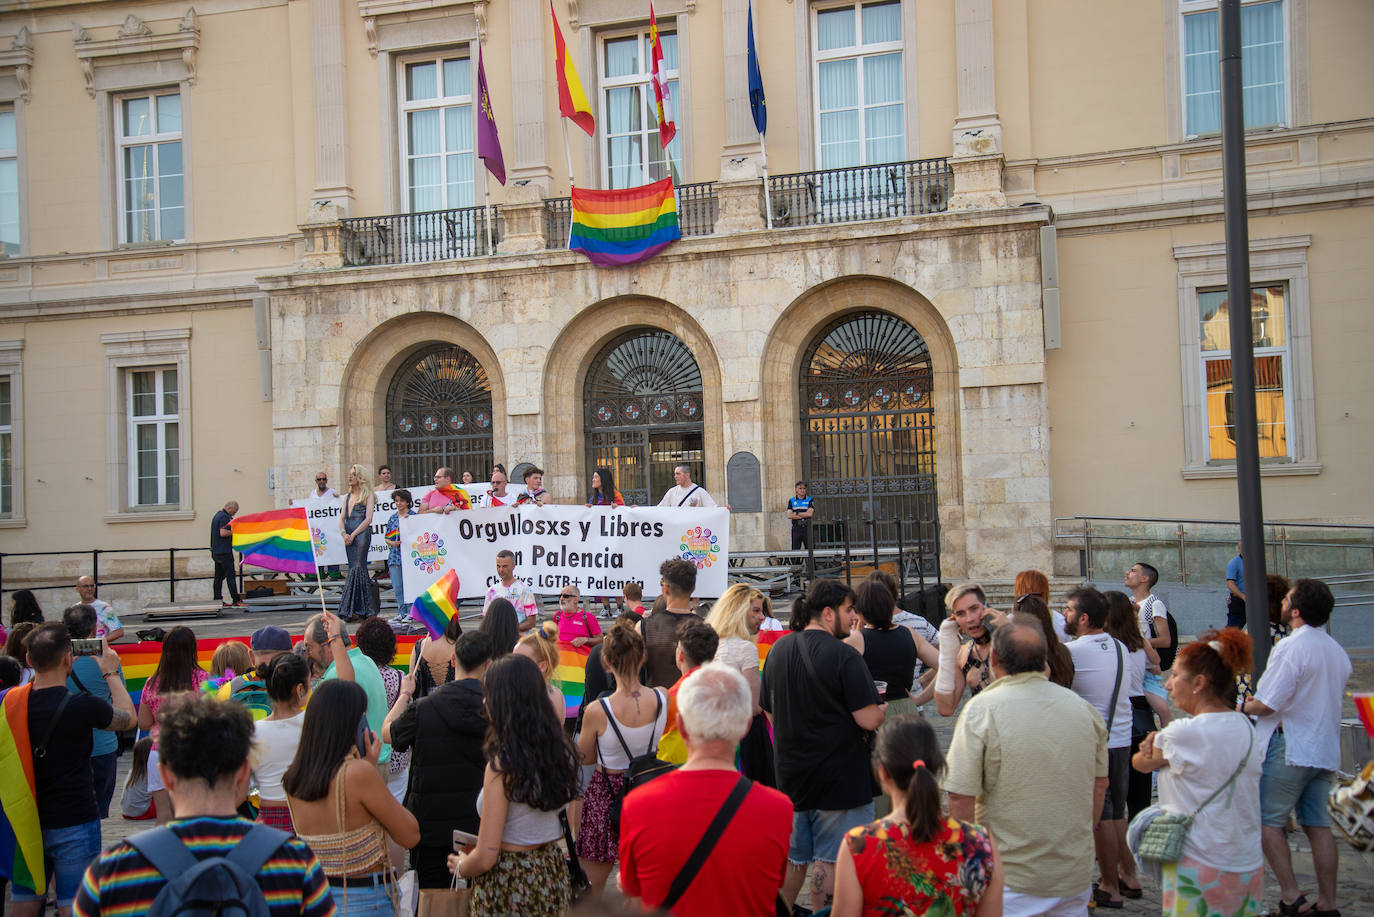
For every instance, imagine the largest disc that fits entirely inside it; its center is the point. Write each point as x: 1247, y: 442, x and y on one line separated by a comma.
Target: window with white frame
x: 154, y: 436
x: 630, y: 145
x: 6, y: 447
x: 9, y: 183
x: 859, y: 97
x: 1264, y: 49
x: 152, y: 176
x: 437, y: 138
x: 1269, y: 324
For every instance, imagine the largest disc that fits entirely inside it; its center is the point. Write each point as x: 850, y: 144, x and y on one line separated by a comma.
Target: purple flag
x: 488, y: 141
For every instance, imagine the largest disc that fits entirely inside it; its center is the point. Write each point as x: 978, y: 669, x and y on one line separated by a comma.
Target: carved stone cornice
x: 383, y: 18
x: 136, y: 38
x: 18, y: 61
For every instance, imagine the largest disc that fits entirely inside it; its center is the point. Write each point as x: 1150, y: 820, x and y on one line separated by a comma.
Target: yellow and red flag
x: 572, y: 99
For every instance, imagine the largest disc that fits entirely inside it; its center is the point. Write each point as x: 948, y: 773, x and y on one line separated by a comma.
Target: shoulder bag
x: 683, y: 880
x: 642, y: 768
x: 1162, y: 840
x: 1116, y: 690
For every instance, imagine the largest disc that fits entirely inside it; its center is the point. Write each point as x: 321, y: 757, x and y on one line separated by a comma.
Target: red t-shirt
x: 661, y: 823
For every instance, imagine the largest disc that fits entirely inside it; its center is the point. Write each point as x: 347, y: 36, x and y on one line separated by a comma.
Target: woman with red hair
x: 1209, y: 767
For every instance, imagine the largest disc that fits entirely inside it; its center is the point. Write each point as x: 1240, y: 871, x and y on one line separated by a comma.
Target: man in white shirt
x: 685, y: 493
x: 323, y: 492
x: 1154, y: 627
x: 106, y: 621
x: 497, y: 496
x: 1299, y: 697
x: 514, y: 590
x: 1099, y: 675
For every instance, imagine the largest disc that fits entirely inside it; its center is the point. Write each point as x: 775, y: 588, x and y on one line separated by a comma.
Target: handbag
x: 577, y: 877
x: 1162, y: 840
x: 443, y: 902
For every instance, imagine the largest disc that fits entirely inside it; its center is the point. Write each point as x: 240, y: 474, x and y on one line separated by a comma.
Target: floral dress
x: 946, y: 876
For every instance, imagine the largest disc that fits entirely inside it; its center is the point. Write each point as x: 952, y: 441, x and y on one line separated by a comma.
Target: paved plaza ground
x: 1356, y: 880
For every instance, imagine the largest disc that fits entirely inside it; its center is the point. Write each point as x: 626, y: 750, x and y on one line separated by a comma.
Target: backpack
x: 1167, y: 653
x: 642, y: 768
x: 221, y: 886
x: 252, y: 693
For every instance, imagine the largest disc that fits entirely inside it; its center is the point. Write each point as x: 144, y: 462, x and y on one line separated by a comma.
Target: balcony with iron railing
x: 802, y: 199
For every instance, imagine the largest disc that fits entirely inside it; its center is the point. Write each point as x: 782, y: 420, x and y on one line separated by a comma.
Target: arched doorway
x: 438, y: 412
x: 642, y: 413
x: 868, y: 431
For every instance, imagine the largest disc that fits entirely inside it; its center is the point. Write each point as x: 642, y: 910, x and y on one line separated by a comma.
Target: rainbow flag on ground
x: 278, y: 539
x: 625, y: 226
x: 21, y: 838
x: 438, y: 604
x: 572, y: 675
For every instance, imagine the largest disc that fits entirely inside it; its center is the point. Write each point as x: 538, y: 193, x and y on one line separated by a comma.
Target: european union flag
x: 757, y: 103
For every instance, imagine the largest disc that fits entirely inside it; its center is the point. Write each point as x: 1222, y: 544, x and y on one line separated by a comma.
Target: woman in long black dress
x: 355, y: 524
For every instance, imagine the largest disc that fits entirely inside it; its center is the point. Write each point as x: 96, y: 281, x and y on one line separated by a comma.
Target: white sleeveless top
x: 638, y: 738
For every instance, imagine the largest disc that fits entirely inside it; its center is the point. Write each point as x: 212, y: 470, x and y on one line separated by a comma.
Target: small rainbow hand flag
x: 439, y: 603
x: 458, y: 495
x: 278, y: 539
x: 572, y: 675
x: 614, y: 228
x: 1364, y: 706
x: 21, y: 838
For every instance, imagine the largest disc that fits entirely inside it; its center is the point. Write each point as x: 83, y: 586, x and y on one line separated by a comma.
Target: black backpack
x: 642, y: 768
x: 1167, y: 653
x: 220, y: 886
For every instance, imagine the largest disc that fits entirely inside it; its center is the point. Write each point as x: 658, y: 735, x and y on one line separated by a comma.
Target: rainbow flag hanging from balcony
x: 626, y: 226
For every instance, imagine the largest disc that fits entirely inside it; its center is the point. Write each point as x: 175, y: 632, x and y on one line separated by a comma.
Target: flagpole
x: 567, y: 149
x: 767, y: 195
x: 486, y: 212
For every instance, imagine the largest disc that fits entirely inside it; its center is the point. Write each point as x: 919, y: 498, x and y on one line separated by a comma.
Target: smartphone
x: 363, y: 736
x: 87, y: 646
x: 462, y: 839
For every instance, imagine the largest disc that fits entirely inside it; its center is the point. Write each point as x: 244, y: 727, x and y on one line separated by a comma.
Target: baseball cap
x: 270, y: 637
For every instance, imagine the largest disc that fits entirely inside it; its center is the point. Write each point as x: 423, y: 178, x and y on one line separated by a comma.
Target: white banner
x: 323, y: 515
x: 596, y: 549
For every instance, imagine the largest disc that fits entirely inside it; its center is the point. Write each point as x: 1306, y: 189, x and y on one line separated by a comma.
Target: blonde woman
x: 736, y: 618
x: 542, y: 647
x: 355, y: 525
x: 231, y: 657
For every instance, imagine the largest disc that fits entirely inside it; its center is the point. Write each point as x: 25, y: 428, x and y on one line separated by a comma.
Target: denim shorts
x: 1285, y: 787
x: 818, y: 833
x: 364, y: 901
x: 1154, y: 684
x: 66, y: 854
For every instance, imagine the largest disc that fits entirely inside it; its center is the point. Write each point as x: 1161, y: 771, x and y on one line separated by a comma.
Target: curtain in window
x: 1261, y: 29
x: 1202, y: 88
x: 425, y: 145
x: 839, y: 115
x: 884, y: 125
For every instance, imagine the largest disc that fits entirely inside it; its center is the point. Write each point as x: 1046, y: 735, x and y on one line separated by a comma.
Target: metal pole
x: 873, y: 538
x: 171, y: 574
x: 844, y: 527
x: 95, y: 570
x: 767, y: 196
x: 939, y: 574
x: 1242, y: 337
x: 901, y: 561
x: 810, y: 552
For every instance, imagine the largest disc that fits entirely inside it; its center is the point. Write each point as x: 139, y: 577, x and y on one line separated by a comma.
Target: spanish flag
x: 572, y: 99
x: 614, y: 228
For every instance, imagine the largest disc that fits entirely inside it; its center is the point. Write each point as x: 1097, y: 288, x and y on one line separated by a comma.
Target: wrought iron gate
x: 439, y: 412
x: 642, y: 412
x: 868, y: 433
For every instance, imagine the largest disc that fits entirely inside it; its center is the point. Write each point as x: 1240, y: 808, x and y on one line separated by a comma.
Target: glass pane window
x: 860, y: 91
x: 1263, y: 68
x: 9, y: 183
x: 631, y: 148
x: 438, y: 140
x: 152, y: 185
x: 154, y: 436
x: 6, y: 449
x: 1269, y: 328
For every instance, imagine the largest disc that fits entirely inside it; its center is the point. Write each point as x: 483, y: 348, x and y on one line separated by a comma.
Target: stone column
x: 523, y: 213
x: 331, y: 106
x: 977, y: 161
x: 740, y: 203
x: 530, y: 159
x: 323, y: 238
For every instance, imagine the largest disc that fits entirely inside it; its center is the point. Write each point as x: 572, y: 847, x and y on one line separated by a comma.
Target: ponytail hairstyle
x: 908, y: 749
x: 542, y: 644
x: 824, y: 593
x: 281, y: 674
x: 1219, y: 661
x: 623, y: 651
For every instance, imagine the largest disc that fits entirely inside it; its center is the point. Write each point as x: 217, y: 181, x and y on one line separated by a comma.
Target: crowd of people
x: 703, y: 781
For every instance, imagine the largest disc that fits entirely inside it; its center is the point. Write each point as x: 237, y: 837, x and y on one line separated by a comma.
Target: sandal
x: 1102, y: 898
x: 1293, y: 910
x: 1128, y: 891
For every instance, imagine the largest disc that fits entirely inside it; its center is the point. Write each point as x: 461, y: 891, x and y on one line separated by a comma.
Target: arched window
x: 868, y: 431
x: 642, y: 413
x: 438, y: 412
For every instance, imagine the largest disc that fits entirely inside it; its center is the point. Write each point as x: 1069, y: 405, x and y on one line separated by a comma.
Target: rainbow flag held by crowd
x: 1364, y: 706
x: 572, y: 675
x: 21, y: 838
x: 458, y: 495
x: 766, y: 640
x: 624, y: 226
x: 278, y: 539
x: 437, y: 605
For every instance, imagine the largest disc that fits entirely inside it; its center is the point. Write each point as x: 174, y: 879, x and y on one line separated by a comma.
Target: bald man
x: 106, y: 621
x: 222, y: 553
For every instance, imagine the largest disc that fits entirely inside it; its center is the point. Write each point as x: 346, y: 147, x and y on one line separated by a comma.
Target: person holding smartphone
x: 340, y: 804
